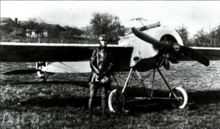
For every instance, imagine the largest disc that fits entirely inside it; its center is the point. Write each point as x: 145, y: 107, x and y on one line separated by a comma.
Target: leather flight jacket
x: 101, y: 62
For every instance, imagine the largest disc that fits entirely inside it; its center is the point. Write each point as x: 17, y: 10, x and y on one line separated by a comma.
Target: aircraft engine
x: 168, y: 56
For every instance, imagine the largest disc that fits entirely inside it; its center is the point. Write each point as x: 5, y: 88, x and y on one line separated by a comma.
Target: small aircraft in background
x: 144, y: 48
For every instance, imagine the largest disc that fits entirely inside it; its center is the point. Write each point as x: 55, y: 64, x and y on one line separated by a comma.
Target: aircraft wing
x: 210, y: 52
x: 50, y: 52
x: 33, y: 52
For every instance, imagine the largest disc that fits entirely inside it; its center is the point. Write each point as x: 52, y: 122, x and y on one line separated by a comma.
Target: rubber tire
x: 110, y: 101
x: 183, y: 94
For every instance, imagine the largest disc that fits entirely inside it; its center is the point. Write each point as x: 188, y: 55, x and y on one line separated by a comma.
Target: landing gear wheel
x: 182, y: 97
x: 116, y: 101
x: 42, y: 75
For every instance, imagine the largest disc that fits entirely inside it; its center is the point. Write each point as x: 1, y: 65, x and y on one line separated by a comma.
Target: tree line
x: 99, y: 24
x: 201, y: 38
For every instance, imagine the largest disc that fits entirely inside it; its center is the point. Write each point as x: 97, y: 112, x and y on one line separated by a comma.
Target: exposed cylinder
x: 150, y: 26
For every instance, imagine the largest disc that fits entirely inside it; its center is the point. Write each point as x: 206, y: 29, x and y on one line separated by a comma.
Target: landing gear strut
x: 177, y: 95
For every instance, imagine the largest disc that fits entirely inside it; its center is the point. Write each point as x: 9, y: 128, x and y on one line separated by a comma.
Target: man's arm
x: 111, y: 63
x: 93, y: 62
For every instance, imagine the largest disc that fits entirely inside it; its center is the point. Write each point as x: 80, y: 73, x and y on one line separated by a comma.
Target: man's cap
x: 102, y: 37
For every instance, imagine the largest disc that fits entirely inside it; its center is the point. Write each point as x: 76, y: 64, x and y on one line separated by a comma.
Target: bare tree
x: 30, y: 25
x: 72, y: 31
x: 88, y: 31
x: 122, y: 30
x: 183, y: 32
x: 215, y: 36
x: 105, y: 23
x: 202, y: 38
x: 40, y: 28
x: 35, y: 25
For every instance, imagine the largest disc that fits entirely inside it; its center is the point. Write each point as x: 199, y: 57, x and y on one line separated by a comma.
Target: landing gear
x: 177, y: 95
x: 41, y: 74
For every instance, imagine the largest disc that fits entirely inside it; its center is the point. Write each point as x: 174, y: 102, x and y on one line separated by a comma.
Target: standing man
x: 102, y: 61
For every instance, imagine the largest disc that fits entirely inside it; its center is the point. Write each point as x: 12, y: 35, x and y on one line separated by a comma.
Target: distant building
x: 7, y: 21
x: 53, y: 29
x: 19, y: 27
x: 45, y: 32
x: 8, y: 25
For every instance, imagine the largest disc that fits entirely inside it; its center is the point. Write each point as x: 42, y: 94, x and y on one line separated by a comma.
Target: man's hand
x: 101, y: 75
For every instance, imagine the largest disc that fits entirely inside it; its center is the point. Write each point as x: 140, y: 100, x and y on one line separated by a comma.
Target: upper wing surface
x: 34, y: 52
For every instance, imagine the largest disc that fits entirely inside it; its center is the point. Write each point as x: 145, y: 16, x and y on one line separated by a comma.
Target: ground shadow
x: 76, y: 83
x: 204, y: 97
x: 197, y: 97
x: 73, y: 101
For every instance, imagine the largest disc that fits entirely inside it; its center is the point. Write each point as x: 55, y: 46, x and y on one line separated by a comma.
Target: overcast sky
x: 195, y: 15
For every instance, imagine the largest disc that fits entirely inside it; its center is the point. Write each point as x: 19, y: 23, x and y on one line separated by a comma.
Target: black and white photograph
x: 109, y: 64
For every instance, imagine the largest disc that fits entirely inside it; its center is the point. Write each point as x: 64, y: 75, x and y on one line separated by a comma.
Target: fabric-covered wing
x: 209, y: 52
x: 35, y: 52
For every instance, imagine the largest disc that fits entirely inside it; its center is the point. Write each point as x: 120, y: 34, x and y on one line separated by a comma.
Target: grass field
x: 61, y: 102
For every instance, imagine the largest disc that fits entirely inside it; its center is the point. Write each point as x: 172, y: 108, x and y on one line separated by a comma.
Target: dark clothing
x: 93, y: 91
x: 101, y: 64
x: 102, y: 61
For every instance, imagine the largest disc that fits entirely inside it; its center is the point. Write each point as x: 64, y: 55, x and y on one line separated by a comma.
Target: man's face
x: 103, y: 42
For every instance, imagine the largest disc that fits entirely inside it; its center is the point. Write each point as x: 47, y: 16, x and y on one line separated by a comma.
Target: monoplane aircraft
x: 144, y: 48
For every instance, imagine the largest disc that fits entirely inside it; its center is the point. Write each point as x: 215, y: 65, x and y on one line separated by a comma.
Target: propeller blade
x: 195, y: 55
x: 149, y: 39
x: 174, y: 47
x: 26, y: 71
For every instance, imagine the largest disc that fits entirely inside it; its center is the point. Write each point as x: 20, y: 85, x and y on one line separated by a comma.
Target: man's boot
x: 90, y: 106
x: 93, y: 91
x: 104, y: 107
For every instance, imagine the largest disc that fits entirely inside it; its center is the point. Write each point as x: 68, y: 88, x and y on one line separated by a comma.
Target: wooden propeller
x: 173, y: 47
